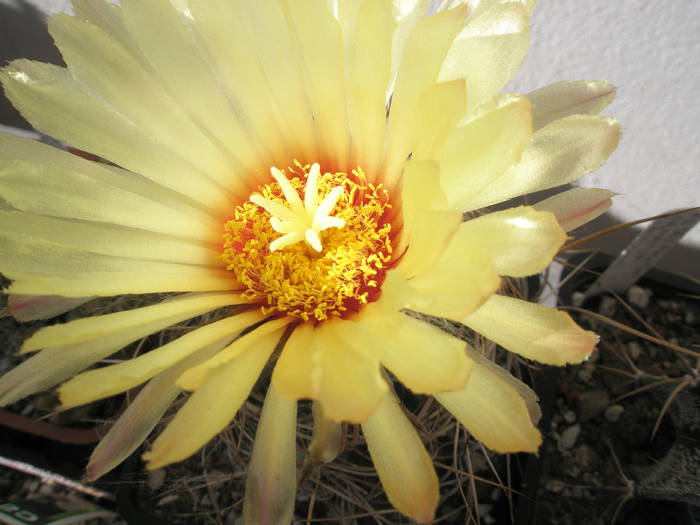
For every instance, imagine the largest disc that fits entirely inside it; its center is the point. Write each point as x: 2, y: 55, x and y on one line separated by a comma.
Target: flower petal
x: 106, y: 239
x: 230, y: 50
x: 457, y: 284
x: 327, y: 437
x: 562, y: 99
x: 204, y: 414
x: 520, y: 241
x: 57, y: 363
x: 368, y: 38
x: 271, y: 483
x: 489, y: 51
x: 294, y: 370
x: 420, y: 191
x: 38, y: 268
x: 90, y: 328
x: 424, y: 358
x: 110, y: 380
x: 34, y: 307
x: 54, y: 102
x: 126, y: 85
x: 320, y: 44
x: 493, y: 409
x: 175, y: 49
x: 142, y: 415
x: 403, y: 465
x: 196, y: 376
x: 267, y: 27
x: 439, y: 109
x: 347, y: 378
x: 533, y: 331
x: 430, y: 233
x: 40, y: 179
x: 418, y: 71
x: 559, y: 153
x: 483, y: 148
x: 577, y: 206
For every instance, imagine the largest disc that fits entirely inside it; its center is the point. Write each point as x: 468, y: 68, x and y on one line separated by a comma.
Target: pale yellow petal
x: 368, y: 37
x: 577, y: 206
x: 266, y: 26
x: 108, y: 70
x: 407, y: 14
x: 521, y: 241
x: 563, y: 99
x: 178, y: 61
x: 223, y: 34
x: 327, y: 437
x: 108, y: 17
x: 348, y: 380
x: 403, y: 465
x: 106, y: 239
x: 37, y: 268
x: 47, y: 181
x: 418, y: 71
x: 110, y: 380
x: 492, y: 408
x: 198, y: 375
x: 420, y: 190
x: 271, y: 483
x: 294, y: 370
x: 424, y: 358
x: 26, y: 308
x: 483, y: 148
x: 141, y: 416
x: 460, y: 281
x: 56, y: 364
x: 428, y: 237
x: 88, y: 328
x: 560, y: 152
x: 439, y: 109
x: 54, y: 102
x: 320, y: 44
x: 212, y: 406
x: 533, y: 331
x: 489, y: 51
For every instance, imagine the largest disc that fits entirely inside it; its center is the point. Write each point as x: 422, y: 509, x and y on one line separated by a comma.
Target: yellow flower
x: 308, y: 162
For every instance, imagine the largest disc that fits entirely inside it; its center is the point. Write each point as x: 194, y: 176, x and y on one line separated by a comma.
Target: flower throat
x: 310, y: 244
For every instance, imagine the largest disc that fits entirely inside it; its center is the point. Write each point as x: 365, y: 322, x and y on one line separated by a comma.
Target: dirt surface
x: 617, y: 417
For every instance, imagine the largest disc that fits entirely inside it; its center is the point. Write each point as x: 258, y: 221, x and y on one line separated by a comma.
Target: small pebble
x: 554, y: 485
x: 592, y: 403
x: 569, y: 436
x: 156, y: 479
x: 569, y: 416
x: 638, y: 296
x: 167, y: 499
x: 634, y: 349
x: 607, y: 306
x: 613, y: 412
x: 578, y: 298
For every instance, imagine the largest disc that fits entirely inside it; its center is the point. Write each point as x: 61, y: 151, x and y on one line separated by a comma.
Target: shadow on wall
x: 23, y: 34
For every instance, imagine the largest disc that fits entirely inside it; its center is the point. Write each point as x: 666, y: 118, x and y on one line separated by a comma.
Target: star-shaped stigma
x: 300, y: 221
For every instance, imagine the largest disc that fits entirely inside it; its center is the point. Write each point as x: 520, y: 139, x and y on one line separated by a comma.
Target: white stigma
x: 300, y: 221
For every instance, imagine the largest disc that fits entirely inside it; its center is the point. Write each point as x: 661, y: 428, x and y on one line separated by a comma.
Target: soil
x: 603, y: 453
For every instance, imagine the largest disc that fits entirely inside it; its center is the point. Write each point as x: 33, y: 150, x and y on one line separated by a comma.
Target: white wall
x: 651, y: 52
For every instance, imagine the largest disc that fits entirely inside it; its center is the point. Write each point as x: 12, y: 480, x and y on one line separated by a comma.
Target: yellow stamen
x: 347, y: 231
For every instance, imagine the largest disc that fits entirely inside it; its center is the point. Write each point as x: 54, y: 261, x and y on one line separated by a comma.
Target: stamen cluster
x: 342, y: 263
